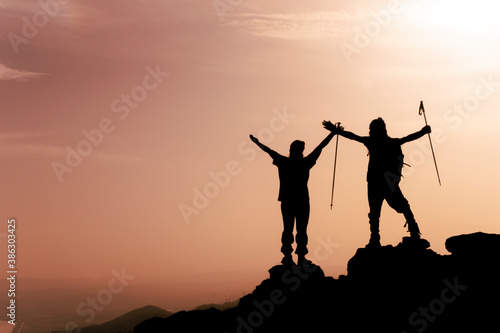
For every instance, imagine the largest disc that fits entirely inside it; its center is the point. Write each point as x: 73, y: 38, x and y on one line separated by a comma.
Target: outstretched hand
x: 254, y: 139
x: 328, y: 125
x: 426, y: 129
x: 334, y: 128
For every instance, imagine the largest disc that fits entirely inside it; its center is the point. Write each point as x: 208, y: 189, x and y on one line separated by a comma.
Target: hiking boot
x: 304, y: 262
x: 287, y: 261
x: 415, y: 243
x: 413, y: 229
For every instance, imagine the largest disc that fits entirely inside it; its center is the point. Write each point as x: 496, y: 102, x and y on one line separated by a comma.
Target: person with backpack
x: 293, y: 172
x: 384, y: 174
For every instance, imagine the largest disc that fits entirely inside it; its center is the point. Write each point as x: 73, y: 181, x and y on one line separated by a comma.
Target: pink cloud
x: 7, y: 73
x: 293, y: 26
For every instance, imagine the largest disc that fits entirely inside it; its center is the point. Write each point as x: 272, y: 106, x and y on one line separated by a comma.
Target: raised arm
x: 265, y: 148
x: 317, y: 151
x: 416, y: 135
x: 340, y: 131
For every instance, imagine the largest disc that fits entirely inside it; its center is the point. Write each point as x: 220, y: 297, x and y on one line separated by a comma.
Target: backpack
x: 393, y: 162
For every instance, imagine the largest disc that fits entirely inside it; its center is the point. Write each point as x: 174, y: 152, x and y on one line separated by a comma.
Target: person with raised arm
x: 384, y: 174
x: 293, y: 172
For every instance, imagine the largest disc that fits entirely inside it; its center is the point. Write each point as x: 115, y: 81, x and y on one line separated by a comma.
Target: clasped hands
x: 334, y: 128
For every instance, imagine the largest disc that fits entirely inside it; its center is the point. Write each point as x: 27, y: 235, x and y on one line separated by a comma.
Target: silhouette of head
x: 377, y: 128
x: 297, y: 149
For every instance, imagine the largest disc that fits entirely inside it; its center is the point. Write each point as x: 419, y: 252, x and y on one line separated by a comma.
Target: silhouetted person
x: 384, y: 174
x: 293, y: 173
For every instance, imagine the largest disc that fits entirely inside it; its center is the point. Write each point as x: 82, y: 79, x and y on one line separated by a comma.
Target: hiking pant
x: 294, y: 212
x: 378, y: 191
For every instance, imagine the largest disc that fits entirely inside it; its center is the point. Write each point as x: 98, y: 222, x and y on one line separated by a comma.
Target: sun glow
x: 480, y: 16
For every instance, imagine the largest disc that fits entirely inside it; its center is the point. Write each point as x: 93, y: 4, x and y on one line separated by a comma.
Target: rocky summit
x: 403, y: 289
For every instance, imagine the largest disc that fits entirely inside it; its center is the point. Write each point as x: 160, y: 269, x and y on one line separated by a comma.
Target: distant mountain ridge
x: 224, y: 306
x: 403, y: 289
x: 126, y: 322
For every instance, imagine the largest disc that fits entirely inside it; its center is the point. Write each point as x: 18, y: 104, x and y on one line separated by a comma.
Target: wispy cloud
x: 7, y: 73
x: 293, y: 26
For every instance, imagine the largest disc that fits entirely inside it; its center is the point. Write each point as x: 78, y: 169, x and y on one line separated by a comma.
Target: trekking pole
x: 421, y: 111
x: 335, y: 165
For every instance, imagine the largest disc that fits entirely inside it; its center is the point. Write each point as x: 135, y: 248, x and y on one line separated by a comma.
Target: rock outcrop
x: 406, y: 288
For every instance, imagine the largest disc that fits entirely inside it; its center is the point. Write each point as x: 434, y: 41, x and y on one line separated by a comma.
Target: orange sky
x: 169, y: 92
